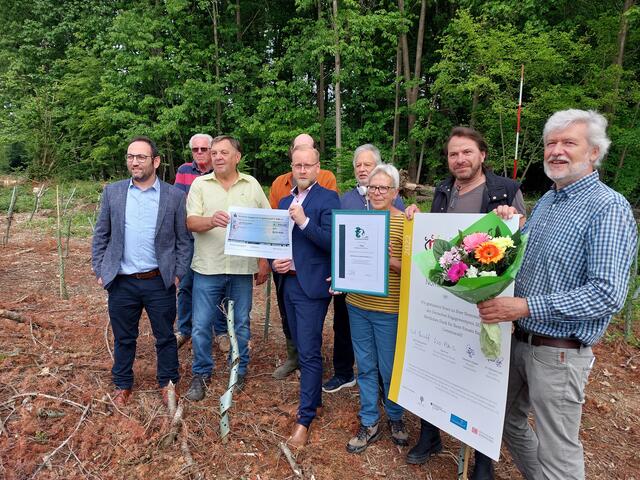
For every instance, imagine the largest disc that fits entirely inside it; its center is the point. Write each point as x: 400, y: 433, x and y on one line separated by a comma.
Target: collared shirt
x: 575, y: 273
x: 141, y: 216
x: 298, y: 198
x: 206, y: 197
x: 186, y: 174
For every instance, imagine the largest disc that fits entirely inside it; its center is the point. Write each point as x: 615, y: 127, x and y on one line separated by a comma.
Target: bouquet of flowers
x: 476, y: 265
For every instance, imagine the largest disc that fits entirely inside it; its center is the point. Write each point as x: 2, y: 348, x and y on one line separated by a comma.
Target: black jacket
x: 499, y: 191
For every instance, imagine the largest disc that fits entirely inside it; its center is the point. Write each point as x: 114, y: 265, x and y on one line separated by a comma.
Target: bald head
x: 303, y: 139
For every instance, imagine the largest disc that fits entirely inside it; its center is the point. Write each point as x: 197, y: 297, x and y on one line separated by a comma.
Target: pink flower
x: 457, y: 271
x: 470, y: 242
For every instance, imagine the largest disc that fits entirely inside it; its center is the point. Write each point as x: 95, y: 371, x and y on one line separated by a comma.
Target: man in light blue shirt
x: 140, y: 251
x: 574, y: 277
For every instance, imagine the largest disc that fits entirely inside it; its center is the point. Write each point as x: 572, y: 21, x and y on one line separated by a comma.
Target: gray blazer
x: 172, y: 243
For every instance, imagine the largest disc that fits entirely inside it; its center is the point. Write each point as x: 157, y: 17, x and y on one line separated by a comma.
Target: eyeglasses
x: 200, y: 149
x: 140, y: 157
x: 381, y: 189
x: 303, y: 166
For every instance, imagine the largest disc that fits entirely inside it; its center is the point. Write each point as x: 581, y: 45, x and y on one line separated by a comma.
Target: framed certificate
x: 360, y: 252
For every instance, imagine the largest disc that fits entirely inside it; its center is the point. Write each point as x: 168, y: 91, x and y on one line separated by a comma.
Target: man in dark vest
x: 470, y: 188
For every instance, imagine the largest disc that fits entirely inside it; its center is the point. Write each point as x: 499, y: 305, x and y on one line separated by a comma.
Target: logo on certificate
x: 360, y: 233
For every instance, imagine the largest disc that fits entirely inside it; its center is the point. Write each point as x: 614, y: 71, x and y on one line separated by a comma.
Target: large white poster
x: 440, y: 372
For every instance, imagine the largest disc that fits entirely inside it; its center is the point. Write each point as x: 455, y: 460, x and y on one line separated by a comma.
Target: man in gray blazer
x: 140, y: 251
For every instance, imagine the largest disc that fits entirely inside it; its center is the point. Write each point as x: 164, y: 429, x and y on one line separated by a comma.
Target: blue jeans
x: 208, y: 292
x: 127, y: 297
x: 374, y: 342
x: 185, y: 308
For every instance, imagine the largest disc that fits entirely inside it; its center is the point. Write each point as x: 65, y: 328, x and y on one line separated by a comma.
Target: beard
x: 573, y: 171
x: 304, y: 183
x: 472, y: 172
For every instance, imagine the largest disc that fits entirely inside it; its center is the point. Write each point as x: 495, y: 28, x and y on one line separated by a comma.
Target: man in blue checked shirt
x: 574, y: 277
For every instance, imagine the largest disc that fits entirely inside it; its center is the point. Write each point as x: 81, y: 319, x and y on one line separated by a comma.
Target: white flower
x: 472, y: 272
x: 488, y: 274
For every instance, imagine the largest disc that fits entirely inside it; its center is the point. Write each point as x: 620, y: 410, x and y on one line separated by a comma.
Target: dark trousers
x: 278, y: 280
x: 306, y: 318
x: 342, y: 347
x: 127, y: 297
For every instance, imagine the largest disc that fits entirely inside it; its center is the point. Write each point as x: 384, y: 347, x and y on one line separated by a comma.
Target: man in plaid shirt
x: 574, y: 277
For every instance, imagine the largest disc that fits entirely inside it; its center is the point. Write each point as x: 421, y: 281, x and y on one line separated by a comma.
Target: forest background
x: 78, y: 78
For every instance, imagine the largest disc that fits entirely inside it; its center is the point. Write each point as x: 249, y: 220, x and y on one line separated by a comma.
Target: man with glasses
x: 365, y: 159
x: 218, y: 276
x: 280, y: 188
x: 470, y: 188
x: 200, y: 145
x: 305, y: 291
x: 140, y: 251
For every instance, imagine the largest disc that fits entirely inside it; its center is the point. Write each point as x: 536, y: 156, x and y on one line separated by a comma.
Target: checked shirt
x: 575, y: 273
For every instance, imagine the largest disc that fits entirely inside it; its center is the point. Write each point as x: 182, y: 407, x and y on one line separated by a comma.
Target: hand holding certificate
x: 257, y: 232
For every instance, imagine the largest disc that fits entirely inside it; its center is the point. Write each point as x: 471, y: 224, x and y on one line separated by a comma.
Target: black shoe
x: 483, y: 468
x: 197, y: 388
x: 241, y: 382
x: 428, y: 444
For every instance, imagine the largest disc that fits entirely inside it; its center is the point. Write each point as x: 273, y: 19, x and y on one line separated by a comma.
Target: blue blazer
x: 312, y: 246
x: 172, y: 243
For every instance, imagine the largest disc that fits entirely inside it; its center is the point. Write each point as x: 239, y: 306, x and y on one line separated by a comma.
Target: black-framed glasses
x: 138, y: 157
x: 381, y: 189
x: 200, y: 149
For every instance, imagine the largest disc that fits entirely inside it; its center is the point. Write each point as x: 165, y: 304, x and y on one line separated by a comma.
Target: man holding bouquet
x: 574, y: 277
x: 471, y: 188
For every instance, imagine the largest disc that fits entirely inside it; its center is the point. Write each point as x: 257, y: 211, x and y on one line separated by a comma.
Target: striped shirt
x: 390, y: 303
x: 186, y: 174
x: 575, y: 273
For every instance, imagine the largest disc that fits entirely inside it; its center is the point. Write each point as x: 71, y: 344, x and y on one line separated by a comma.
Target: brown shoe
x: 299, y: 437
x: 121, y: 397
x: 165, y: 394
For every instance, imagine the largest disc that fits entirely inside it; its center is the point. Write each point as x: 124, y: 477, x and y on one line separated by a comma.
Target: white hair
x: 388, y: 170
x: 201, y: 135
x: 596, y: 128
x: 367, y: 147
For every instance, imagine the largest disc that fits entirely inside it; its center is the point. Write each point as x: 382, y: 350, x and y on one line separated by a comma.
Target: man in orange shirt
x: 280, y: 188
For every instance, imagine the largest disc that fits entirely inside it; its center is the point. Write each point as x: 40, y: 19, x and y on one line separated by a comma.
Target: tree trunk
x: 320, y: 91
x: 619, y: 59
x: 214, y: 16
x: 474, y: 107
x: 238, y: 24
x: 337, y: 88
x: 412, y: 91
x: 624, y: 151
x: 396, y: 109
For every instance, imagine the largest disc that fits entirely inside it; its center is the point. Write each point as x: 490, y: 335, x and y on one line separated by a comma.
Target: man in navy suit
x: 306, y: 293
x: 140, y: 251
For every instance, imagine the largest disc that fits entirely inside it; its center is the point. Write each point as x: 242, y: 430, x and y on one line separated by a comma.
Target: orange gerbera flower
x: 489, y: 252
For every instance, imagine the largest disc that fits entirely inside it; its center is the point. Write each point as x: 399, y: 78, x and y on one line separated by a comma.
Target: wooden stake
x: 63, y: 286
x: 463, y: 462
x: 267, y: 308
x: 12, y: 204
x: 36, y: 203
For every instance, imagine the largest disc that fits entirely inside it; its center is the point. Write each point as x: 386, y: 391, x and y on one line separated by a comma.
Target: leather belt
x: 537, y: 340
x: 292, y: 273
x: 145, y: 275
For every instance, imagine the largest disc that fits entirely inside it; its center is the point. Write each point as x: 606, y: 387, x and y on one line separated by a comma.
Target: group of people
x: 151, y: 238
